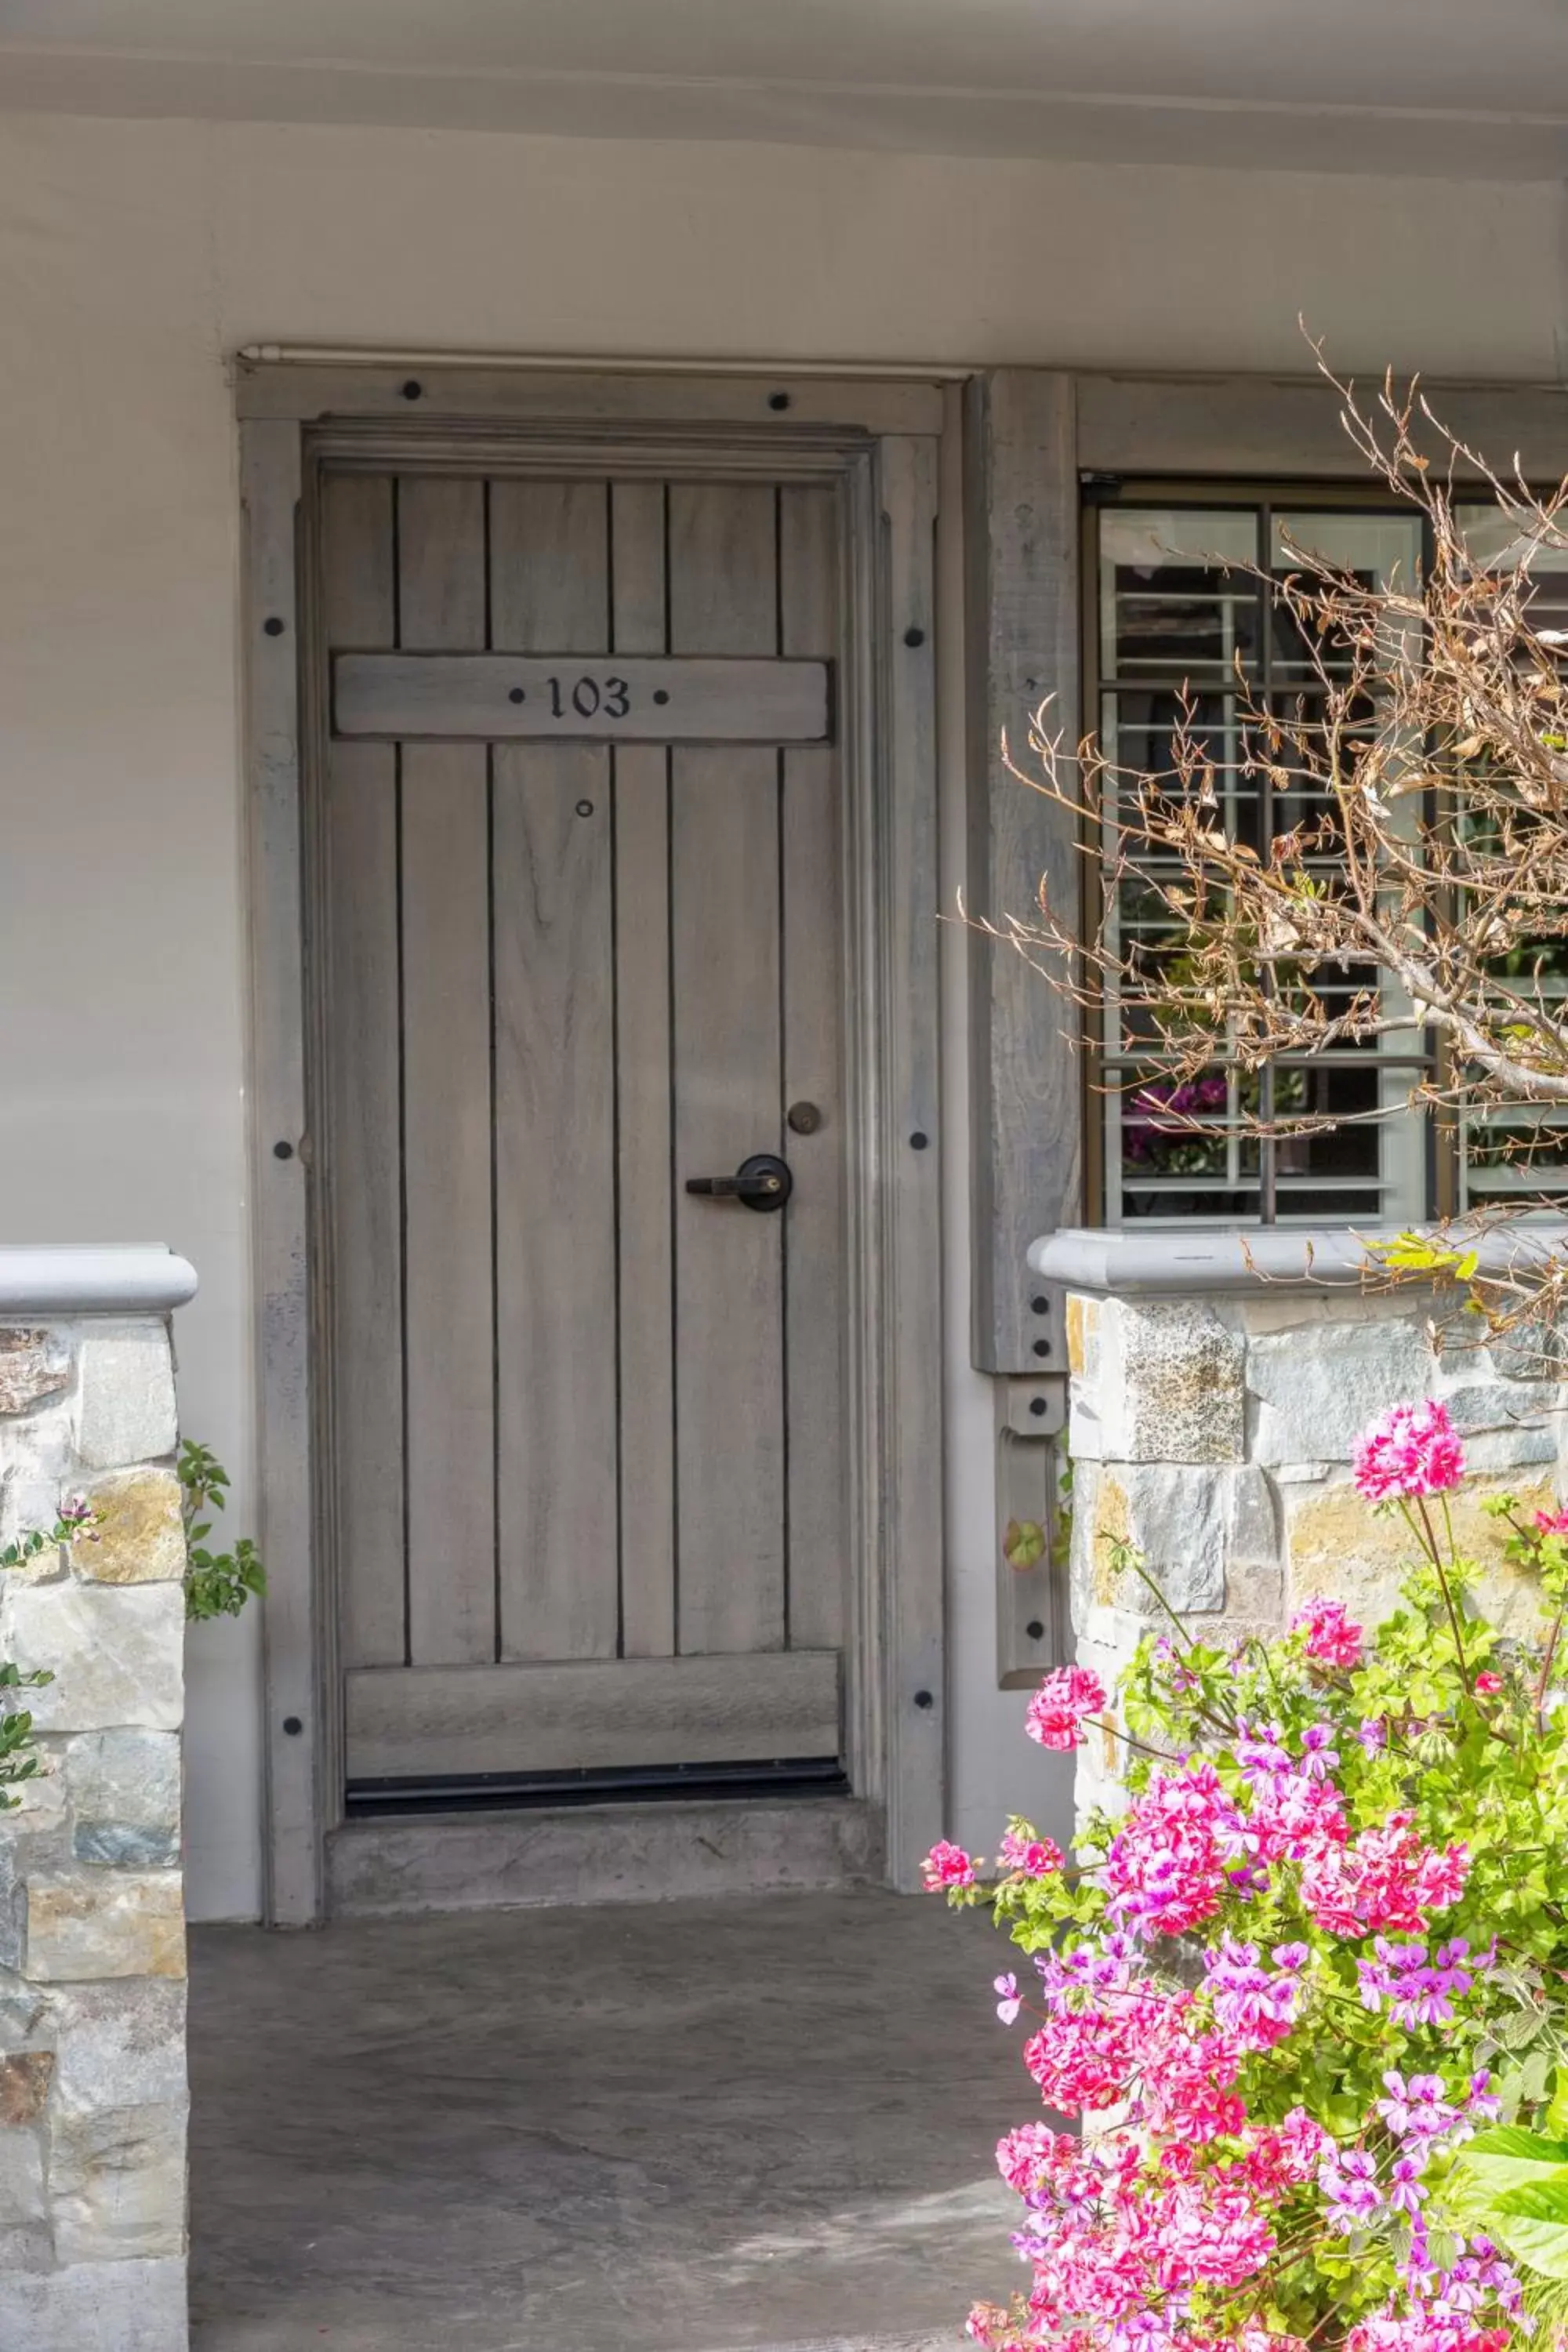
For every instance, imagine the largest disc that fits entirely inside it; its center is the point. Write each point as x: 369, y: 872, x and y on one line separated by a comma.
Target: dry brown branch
x: 1413, y: 881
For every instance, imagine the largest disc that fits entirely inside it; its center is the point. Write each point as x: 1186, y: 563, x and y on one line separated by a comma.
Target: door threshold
x: 631, y: 1852
x: 739, y: 1783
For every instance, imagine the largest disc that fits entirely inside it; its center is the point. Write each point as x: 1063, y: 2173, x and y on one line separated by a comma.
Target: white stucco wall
x: 133, y: 256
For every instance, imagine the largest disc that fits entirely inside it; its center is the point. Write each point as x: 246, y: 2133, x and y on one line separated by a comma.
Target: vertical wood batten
x: 908, y: 1307
x: 814, y: 1237
x: 446, y: 1104
x: 645, y: 1295
x: 1024, y: 647
x: 271, y: 488
x: 554, y: 1110
x: 724, y: 925
x: 362, y: 1059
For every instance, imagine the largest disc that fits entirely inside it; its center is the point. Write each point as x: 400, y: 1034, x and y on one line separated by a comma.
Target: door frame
x: 880, y: 437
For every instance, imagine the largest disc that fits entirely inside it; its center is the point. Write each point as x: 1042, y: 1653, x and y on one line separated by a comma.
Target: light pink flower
x: 1008, y: 2006
x: 1332, y: 1640
x: 1030, y: 1857
x: 1059, y: 1706
x: 947, y: 1866
x: 1412, y: 1450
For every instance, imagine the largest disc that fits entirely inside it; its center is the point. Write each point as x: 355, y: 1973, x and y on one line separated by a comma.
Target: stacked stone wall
x: 92, y: 1947
x: 1214, y: 1434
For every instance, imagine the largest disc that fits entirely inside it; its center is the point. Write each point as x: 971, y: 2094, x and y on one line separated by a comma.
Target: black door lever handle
x: 763, y: 1182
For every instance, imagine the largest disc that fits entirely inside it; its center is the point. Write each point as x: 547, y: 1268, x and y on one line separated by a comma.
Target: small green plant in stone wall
x: 218, y: 1584
x: 18, y: 1750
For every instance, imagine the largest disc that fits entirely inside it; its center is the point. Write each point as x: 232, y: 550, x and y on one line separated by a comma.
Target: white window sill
x: 1168, y: 1261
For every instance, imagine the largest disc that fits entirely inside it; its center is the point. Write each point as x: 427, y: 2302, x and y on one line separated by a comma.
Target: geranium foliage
x: 1304, y: 1998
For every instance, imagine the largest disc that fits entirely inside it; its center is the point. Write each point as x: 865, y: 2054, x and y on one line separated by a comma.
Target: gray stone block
x: 120, y: 2045
x: 1318, y: 1385
x: 117, y: 2182
x: 25, y: 2243
x: 1171, y: 1385
x: 124, y: 2306
x: 126, y: 1407
x: 125, y: 1797
x: 117, y: 1652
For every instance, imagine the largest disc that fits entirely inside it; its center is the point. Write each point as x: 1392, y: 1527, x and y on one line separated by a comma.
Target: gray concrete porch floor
x: 762, y: 2124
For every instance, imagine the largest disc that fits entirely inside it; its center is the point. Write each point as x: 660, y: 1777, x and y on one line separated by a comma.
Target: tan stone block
x: 140, y: 1538
x: 130, y: 1924
x: 33, y: 1364
x: 1340, y: 1548
x: 1083, y: 1319
x: 24, y: 2079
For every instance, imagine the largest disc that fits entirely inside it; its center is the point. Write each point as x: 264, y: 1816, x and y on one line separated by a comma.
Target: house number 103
x: 590, y: 696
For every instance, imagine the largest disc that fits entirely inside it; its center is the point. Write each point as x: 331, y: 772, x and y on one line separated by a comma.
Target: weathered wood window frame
x: 1033, y: 436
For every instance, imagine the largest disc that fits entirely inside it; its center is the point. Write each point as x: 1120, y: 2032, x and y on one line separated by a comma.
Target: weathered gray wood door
x: 585, y: 1427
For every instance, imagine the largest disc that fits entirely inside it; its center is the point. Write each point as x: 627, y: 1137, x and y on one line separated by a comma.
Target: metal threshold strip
x: 790, y: 1776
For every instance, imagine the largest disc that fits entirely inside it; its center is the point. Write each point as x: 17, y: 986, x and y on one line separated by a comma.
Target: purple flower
x: 1318, y: 1757
x: 1009, y: 2005
x: 1348, y: 2179
x: 1406, y: 2193
x: 1372, y: 1733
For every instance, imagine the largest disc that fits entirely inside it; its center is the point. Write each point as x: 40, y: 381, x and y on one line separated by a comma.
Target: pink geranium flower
x: 1059, y: 1706
x: 1031, y: 1857
x: 1332, y: 1638
x: 1551, y: 1523
x: 1413, y: 1450
x: 1488, y: 1686
x: 946, y: 1865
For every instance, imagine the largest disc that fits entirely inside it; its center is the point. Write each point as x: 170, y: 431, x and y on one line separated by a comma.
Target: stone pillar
x: 92, y: 1947
x: 1216, y: 1390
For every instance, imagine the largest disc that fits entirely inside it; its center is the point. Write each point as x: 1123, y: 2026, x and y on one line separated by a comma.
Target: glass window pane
x: 1169, y: 607
x: 1172, y: 617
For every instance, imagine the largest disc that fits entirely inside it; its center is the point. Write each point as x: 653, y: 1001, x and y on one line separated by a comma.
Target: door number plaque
x: 595, y: 697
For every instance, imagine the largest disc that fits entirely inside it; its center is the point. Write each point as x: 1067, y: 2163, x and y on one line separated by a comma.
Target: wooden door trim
x: 897, y: 1698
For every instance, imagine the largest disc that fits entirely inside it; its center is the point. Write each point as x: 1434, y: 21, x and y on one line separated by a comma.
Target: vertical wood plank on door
x: 724, y: 926
x: 362, y: 1090
x: 642, y: 1082
x: 449, y: 1312
x: 554, y: 1069
x: 815, y: 1238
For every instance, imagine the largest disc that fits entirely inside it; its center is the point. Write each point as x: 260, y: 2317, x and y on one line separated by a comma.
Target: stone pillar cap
x: 1189, y: 1258
x: 93, y: 1278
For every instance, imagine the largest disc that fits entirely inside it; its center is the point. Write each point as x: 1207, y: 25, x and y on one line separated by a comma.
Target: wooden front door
x: 580, y: 908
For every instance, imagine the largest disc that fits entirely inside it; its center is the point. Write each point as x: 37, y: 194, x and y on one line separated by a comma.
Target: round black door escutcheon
x: 1034, y: 1630
x: 272, y: 625
x: 585, y: 808
x: 1039, y: 1305
x: 918, y: 1139
x: 413, y: 389
x: 925, y: 1699
x: 292, y: 1725
x: 282, y: 1152
x: 914, y: 636
x: 1042, y: 1347
x: 517, y: 695
x: 1037, y: 1407
x: 660, y: 694
x: 804, y: 1118
x: 778, y: 400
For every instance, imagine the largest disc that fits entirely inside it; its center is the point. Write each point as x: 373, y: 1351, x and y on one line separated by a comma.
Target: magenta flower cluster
x: 1313, y: 1906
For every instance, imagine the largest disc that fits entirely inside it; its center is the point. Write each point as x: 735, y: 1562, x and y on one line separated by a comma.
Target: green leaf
x: 1023, y: 1544
x: 1540, y: 2245
x: 1540, y: 2200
